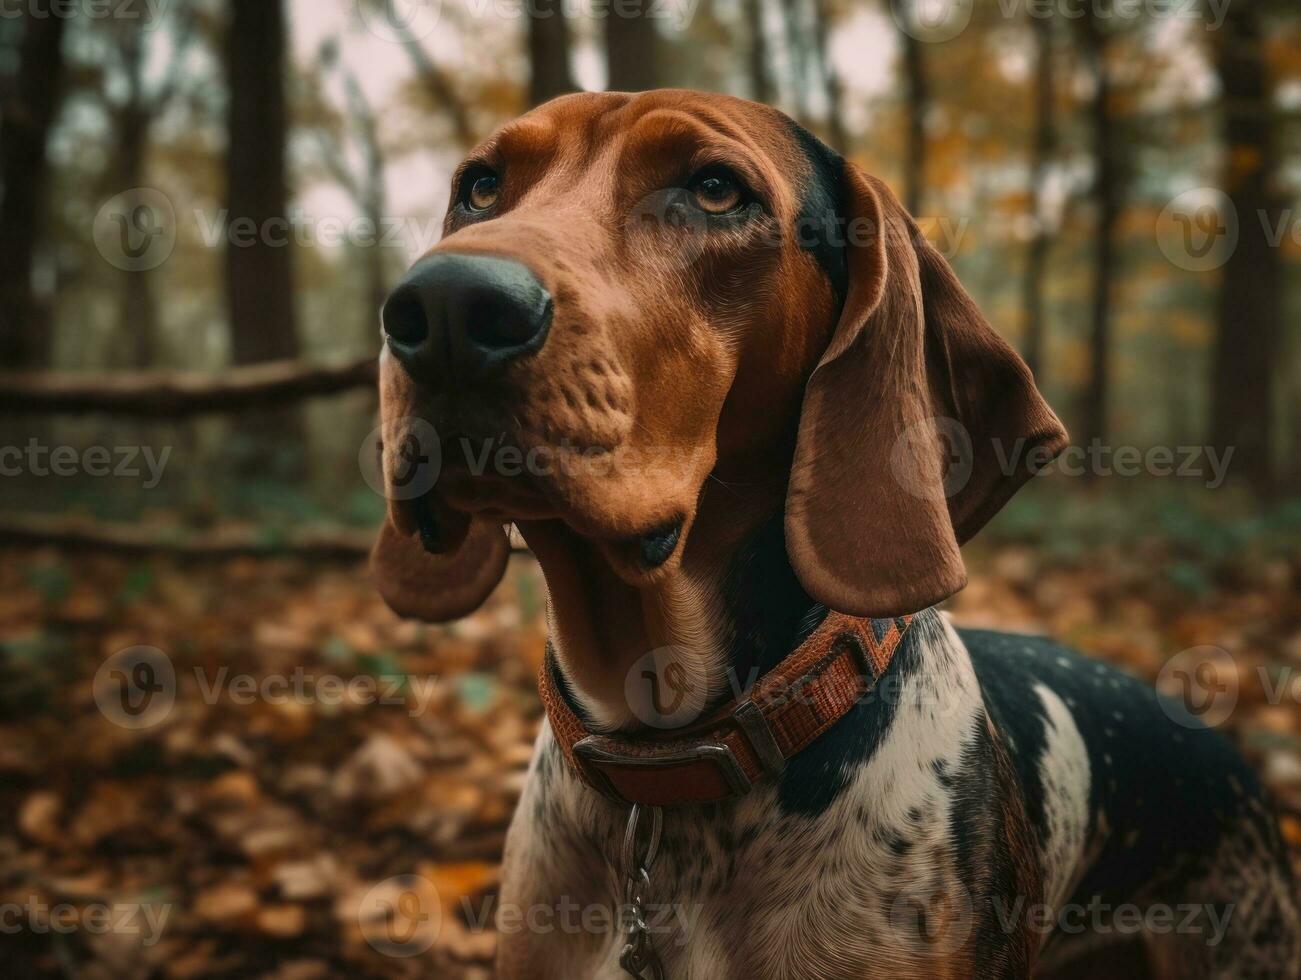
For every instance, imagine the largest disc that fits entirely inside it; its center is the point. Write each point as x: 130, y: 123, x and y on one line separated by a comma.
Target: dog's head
x: 637, y: 294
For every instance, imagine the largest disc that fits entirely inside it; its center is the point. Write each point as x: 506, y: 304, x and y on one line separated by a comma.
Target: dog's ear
x: 918, y: 424
x: 430, y: 562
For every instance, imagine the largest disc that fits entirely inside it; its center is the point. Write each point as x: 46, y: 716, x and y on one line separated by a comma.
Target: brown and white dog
x: 722, y: 385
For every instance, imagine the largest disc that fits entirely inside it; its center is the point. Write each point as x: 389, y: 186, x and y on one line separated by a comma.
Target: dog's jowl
x: 745, y: 415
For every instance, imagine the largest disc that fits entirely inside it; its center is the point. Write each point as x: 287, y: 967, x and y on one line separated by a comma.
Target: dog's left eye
x: 717, y: 191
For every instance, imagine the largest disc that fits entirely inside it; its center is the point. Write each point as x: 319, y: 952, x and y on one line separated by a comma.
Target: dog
x: 744, y: 415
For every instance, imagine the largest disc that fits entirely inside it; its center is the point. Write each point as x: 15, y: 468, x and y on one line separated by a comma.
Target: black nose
x: 463, y: 316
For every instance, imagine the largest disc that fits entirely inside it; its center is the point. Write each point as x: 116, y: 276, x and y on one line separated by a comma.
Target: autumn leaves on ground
x: 323, y: 761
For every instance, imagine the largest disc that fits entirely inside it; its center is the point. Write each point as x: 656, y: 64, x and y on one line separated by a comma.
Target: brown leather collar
x: 721, y: 758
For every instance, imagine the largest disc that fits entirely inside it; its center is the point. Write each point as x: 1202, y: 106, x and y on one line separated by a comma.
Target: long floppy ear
x: 430, y: 562
x: 918, y: 424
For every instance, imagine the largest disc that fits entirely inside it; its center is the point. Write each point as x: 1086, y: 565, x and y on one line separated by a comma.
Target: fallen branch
x: 321, y: 544
x: 170, y: 395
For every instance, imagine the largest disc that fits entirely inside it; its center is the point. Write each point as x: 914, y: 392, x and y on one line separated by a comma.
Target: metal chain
x: 639, y: 958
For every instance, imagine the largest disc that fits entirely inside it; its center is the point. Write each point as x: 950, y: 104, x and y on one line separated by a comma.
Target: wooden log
x: 171, y: 395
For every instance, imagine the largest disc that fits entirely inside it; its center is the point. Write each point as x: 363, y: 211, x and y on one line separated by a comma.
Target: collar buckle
x: 709, y: 772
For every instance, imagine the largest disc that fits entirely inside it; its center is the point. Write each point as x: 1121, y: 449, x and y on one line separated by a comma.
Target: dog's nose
x: 465, y: 316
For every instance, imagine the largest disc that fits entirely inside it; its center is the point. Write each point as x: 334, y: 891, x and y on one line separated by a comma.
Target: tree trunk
x: 259, y: 276
x: 631, y: 48
x: 757, y: 52
x: 836, y: 132
x: 1250, y: 302
x: 259, y: 270
x: 1045, y: 140
x: 26, y: 116
x: 548, y: 52
x: 917, y: 101
x: 1107, y: 198
x: 137, y: 311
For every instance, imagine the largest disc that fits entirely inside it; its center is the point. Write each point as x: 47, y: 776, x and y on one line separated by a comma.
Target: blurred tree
x: 1251, y: 300
x: 1108, y: 198
x: 632, y: 47
x: 439, y: 86
x: 29, y: 102
x: 797, y: 56
x: 548, y: 44
x: 259, y: 259
x: 1045, y: 140
x: 365, y: 184
x: 757, y: 55
x: 916, y: 99
x: 836, y: 133
x: 130, y: 118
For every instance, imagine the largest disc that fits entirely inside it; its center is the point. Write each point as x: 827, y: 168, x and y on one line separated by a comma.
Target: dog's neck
x: 730, y: 611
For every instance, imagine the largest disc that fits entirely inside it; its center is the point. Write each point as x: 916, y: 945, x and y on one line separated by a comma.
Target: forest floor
x: 307, y: 763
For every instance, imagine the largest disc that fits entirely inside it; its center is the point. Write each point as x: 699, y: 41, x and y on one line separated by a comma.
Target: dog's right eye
x: 480, y: 189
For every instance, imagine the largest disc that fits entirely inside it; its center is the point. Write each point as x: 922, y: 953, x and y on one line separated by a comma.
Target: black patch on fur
x: 821, y: 221
x: 817, y: 776
x: 1164, y: 780
x: 769, y: 609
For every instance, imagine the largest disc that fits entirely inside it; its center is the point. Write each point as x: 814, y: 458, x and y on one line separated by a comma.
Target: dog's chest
x: 762, y: 887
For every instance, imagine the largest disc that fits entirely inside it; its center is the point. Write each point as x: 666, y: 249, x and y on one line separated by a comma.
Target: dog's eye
x: 717, y: 191
x: 481, y: 189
